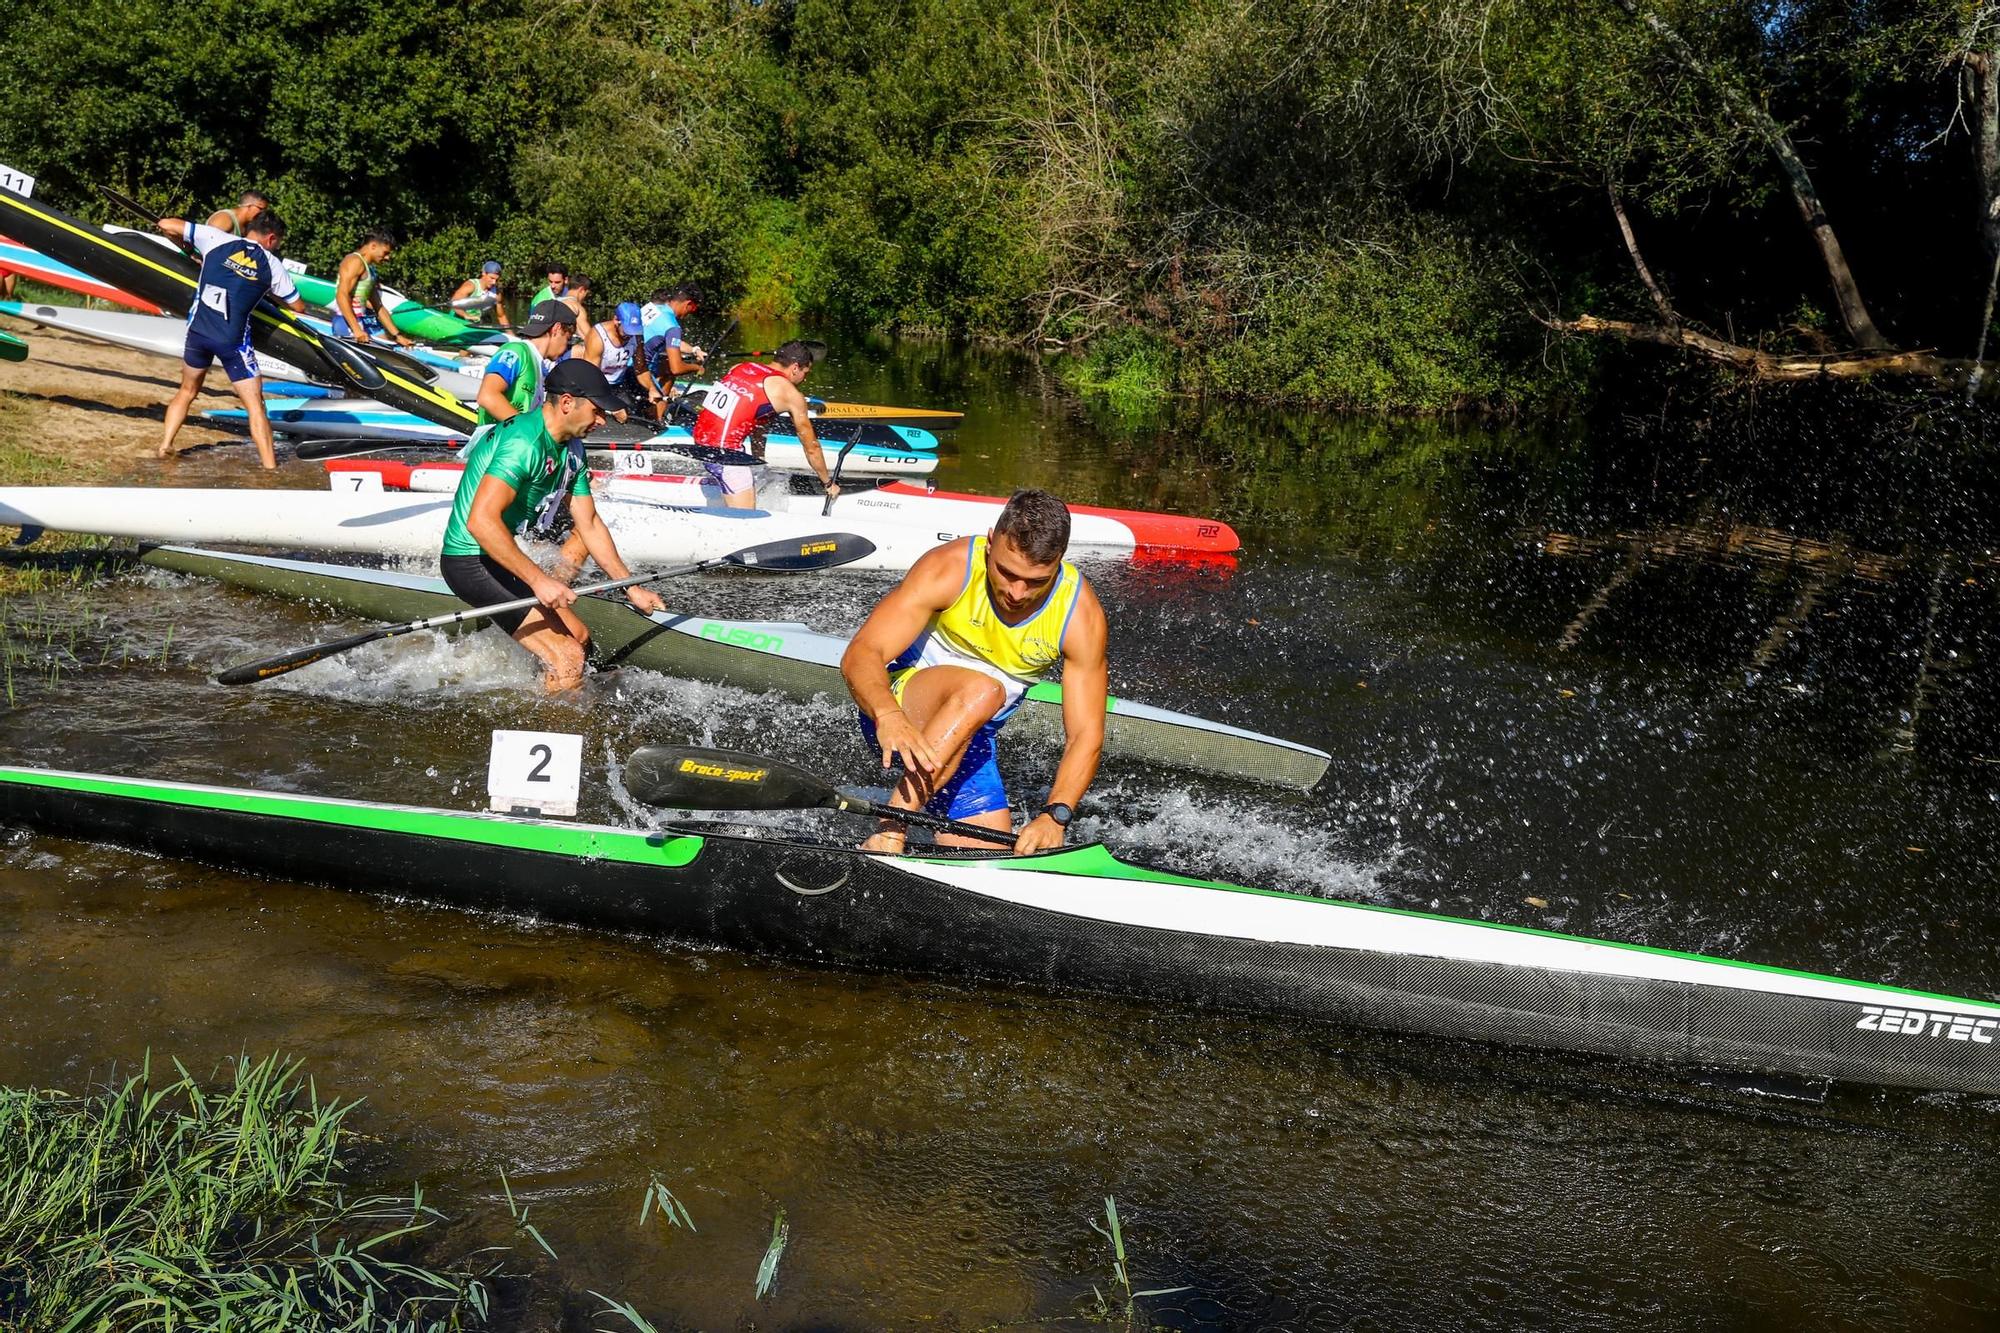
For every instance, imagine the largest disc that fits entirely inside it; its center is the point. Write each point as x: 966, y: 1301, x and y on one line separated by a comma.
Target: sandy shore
x: 99, y: 408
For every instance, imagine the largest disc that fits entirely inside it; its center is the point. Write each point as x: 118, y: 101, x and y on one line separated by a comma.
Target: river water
x: 1738, y: 703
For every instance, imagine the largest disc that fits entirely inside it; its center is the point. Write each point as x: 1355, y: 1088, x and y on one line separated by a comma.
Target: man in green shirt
x: 557, y: 285
x: 513, y: 382
x: 530, y: 470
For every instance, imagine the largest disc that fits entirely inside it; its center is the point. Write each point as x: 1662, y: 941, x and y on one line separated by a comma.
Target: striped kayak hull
x: 760, y: 656
x: 1075, y: 920
x: 34, y: 265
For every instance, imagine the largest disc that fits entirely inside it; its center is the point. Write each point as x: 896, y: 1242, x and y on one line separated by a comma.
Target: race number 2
x: 538, y: 771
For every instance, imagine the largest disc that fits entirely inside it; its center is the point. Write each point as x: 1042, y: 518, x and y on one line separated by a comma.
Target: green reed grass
x: 158, y: 1205
x: 1121, y: 1272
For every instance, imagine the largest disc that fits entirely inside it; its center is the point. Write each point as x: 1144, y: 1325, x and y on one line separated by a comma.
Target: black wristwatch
x: 1059, y: 812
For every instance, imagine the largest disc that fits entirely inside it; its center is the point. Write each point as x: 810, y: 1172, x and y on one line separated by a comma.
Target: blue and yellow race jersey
x: 971, y: 633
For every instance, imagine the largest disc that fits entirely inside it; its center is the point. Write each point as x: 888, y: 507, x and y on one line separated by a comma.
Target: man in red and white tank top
x: 747, y: 402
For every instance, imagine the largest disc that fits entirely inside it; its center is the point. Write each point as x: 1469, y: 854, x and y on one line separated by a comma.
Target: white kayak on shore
x: 412, y: 526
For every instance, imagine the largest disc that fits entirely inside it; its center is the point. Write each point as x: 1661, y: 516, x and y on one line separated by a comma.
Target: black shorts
x: 479, y: 580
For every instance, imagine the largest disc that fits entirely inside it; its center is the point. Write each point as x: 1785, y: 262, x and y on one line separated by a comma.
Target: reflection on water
x: 1738, y: 702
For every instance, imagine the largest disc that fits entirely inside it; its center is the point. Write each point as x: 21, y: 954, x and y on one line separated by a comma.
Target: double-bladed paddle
x: 688, y: 777
x: 839, y: 462
x: 792, y: 556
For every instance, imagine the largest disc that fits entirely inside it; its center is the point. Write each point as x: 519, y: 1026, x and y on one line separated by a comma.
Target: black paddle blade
x: 249, y: 673
x: 129, y: 204
x: 799, y: 554
x: 685, y: 777
x: 353, y: 364
x: 309, y: 451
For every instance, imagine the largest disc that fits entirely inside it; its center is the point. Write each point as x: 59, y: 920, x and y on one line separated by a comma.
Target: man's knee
x: 564, y: 657
x: 979, y: 696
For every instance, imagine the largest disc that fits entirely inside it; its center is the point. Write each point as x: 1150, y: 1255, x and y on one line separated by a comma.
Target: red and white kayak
x: 38, y: 267
x: 898, y: 502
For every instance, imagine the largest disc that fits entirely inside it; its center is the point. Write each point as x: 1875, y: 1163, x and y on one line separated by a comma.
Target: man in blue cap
x: 479, y: 298
x: 615, y: 346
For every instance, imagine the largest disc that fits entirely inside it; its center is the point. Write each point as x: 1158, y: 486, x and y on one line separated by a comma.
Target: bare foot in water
x: 886, y: 841
x: 167, y: 451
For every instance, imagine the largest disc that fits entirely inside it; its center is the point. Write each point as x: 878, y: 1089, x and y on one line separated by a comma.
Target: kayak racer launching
x: 743, y: 404
x: 236, y: 273
x: 945, y: 659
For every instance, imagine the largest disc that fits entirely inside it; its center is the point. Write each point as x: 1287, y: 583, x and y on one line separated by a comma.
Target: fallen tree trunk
x: 1777, y: 367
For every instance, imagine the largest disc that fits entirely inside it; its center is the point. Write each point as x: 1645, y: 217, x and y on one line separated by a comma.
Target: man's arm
x: 597, y: 540
x: 344, y: 279
x: 593, y: 345
x: 494, y: 386
x: 891, y: 627
x: 388, y: 324
x: 223, y: 219
x: 678, y: 364
x: 1085, y: 687
x: 488, y: 525
x: 649, y: 384
x: 786, y: 398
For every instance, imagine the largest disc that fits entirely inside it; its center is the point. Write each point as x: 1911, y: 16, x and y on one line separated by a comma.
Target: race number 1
x: 20, y: 182
x: 535, y: 771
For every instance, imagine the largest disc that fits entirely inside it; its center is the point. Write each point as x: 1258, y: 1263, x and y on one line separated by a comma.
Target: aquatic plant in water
x: 158, y: 1204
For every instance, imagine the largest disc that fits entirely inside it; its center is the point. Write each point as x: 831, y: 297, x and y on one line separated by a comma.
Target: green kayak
x: 425, y: 323
x: 12, y: 348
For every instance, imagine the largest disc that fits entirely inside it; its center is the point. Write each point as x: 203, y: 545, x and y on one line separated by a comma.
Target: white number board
x: 535, y: 770
x: 20, y: 182
x: 293, y: 265
x: 626, y: 461
x: 354, y: 483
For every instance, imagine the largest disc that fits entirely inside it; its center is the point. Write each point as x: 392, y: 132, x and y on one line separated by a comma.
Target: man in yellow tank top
x: 943, y: 661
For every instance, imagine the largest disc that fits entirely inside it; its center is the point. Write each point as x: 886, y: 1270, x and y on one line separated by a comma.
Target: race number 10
x: 535, y: 771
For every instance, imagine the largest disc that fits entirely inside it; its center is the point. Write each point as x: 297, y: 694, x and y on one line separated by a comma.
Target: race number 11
x: 20, y: 182
x: 538, y: 771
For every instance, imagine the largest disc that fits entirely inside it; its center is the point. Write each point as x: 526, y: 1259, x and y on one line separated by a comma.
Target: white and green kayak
x: 1079, y: 919
x: 758, y: 655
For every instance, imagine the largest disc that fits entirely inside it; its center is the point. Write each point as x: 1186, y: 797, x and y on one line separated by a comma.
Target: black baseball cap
x: 545, y: 316
x: 583, y: 380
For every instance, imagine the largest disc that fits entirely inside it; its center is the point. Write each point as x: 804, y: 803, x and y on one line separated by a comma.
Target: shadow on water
x: 1734, y: 699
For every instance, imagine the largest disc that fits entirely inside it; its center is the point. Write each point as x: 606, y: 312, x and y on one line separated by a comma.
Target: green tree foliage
x: 1369, y: 203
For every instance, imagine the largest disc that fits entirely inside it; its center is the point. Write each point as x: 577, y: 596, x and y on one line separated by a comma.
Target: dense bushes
x: 1369, y: 204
